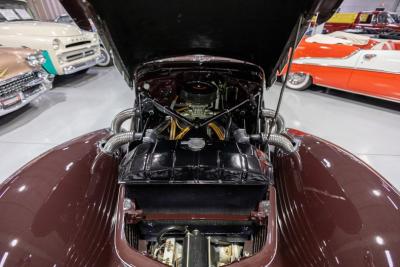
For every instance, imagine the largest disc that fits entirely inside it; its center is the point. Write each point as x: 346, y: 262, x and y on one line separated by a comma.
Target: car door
x: 377, y: 73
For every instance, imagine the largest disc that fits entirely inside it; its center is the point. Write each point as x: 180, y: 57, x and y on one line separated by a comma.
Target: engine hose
x: 172, y: 132
x: 182, y: 133
x: 280, y: 122
x: 282, y: 142
x: 217, y: 130
x: 120, y: 118
x: 118, y: 140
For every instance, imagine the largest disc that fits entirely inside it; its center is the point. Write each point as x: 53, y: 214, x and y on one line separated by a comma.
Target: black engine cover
x: 168, y: 177
x: 173, y: 162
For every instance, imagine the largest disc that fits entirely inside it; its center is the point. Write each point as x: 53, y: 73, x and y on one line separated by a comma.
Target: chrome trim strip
x: 77, y: 54
x: 23, y: 102
x: 81, y: 66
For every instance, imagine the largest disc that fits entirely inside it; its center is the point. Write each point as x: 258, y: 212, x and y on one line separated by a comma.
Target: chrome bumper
x: 81, y: 66
x: 25, y: 98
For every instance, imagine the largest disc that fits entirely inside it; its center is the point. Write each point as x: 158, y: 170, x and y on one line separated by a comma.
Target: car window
x: 23, y: 13
x: 393, y: 18
x: 9, y: 14
x: 382, y: 18
x: 13, y: 12
x: 365, y: 18
x: 65, y: 19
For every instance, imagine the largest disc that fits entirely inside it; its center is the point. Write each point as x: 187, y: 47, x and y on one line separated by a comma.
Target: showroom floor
x: 369, y: 128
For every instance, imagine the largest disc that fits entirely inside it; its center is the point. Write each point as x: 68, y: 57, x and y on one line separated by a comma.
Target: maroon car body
x: 102, y: 198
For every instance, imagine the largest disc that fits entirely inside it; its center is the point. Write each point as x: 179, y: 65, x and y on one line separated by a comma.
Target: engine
x: 193, y: 248
x: 198, y: 97
x: 196, y: 168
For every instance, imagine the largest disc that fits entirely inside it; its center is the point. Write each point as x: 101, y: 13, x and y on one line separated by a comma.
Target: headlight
x: 35, y: 59
x: 95, y: 37
x: 56, y: 44
x: 41, y: 59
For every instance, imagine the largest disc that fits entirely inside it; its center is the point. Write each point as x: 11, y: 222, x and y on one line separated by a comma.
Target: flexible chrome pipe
x: 280, y: 122
x: 120, y: 118
x: 118, y: 140
x: 282, y: 142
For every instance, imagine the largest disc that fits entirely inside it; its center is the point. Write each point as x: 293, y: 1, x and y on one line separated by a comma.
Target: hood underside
x: 256, y: 31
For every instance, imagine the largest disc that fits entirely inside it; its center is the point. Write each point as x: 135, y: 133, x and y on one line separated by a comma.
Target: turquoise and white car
x: 67, y: 48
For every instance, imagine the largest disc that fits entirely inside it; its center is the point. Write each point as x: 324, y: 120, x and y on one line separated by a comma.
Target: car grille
x: 17, y: 84
x: 78, y: 54
x: 77, y: 44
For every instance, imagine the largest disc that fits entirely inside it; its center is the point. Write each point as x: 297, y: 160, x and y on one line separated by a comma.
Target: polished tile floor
x: 368, y: 128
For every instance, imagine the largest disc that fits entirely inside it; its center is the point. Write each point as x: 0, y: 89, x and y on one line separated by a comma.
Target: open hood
x: 256, y: 31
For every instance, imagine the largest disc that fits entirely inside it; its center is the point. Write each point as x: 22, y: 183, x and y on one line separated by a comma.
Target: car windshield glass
x: 383, y: 18
x: 65, y: 19
x: 14, y: 13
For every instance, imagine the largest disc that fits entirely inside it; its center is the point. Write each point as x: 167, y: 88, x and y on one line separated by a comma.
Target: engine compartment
x: 196, y: 168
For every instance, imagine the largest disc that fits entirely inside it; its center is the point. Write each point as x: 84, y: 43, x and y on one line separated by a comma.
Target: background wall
x: 358, y: 5
x: 47, y: 9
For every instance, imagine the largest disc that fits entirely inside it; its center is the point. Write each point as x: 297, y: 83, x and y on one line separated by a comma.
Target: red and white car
x: 348, y: 62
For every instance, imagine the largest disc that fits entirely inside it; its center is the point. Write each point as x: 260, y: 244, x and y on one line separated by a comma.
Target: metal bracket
x: 132, y: 215
x: 261, y: 215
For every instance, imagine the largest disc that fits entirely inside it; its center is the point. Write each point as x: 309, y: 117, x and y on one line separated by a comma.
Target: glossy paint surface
x: 334, y: 209
x: 13, y: 62
x: 57, y: 211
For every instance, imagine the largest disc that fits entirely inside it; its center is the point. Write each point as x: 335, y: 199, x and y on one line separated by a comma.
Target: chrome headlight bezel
x: 56, y: 44
x: 35, y: 59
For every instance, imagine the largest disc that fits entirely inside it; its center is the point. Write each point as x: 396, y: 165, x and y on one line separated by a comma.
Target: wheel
x: 299, y: 81
x: 106, y: 58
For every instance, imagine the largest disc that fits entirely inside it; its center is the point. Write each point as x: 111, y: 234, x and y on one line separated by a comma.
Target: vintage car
x: 371, y: 22
x: 67, y: 48
x: 348, y: 62
x: 22, y: 78
x: 105, y: 58
x: 204, y: 175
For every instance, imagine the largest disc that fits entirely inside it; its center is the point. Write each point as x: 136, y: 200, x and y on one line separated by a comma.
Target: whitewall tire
x: 106, y: 58
x: 299, y: 81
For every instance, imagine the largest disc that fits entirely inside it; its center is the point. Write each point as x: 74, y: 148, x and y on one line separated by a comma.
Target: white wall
x: 362, y: 5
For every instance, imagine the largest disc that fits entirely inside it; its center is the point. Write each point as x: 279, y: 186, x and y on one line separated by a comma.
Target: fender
x: 334, y: 209
x: 57, y: 211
